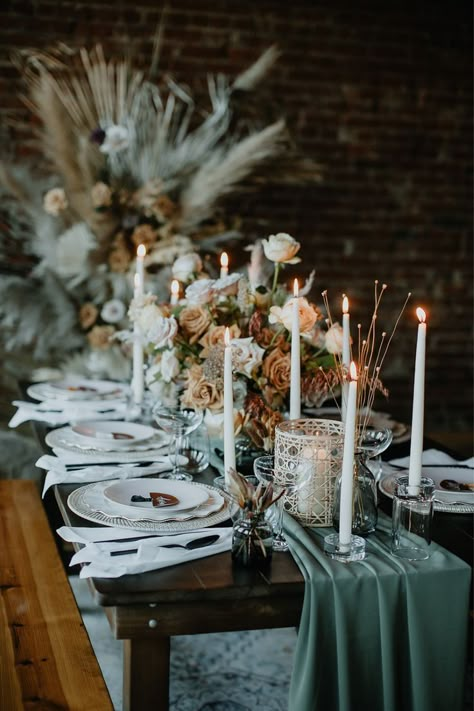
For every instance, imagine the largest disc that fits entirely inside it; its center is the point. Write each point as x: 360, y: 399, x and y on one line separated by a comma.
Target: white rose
x: 147, y: 316
x: 227, y: 285
x: 113, y: 311
x: 116, y: 139
x: 166, y: 393
x: 72, y: 250
x: 187, y: 266
x: 307, y: 315
x: 246, y: 355
x: 200, y: 292
x: 162, y: 332
x: 169, y: 366
x: 333, y: 340
x: 281, y: 248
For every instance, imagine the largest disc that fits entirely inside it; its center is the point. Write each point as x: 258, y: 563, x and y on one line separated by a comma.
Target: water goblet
x: 373, y: 442
x: 264, y: 470
x: 178, y: 423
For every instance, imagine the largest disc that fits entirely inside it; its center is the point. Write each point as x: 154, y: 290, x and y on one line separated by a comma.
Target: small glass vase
x: 252, y: 539
x: 364, y: 498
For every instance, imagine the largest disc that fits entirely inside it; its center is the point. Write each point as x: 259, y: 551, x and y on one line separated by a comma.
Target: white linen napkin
x: 58, y: 474
x: 438, y: 466
x: 150, y: 555
x: 99, y: 534
x: 126, y: 457
x: 61, y: 413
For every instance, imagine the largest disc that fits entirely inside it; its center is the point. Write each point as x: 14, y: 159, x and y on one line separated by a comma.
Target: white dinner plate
x: 76, y: 389
x: 89, y: 503
x: 66, y: 438
x: 119, y: 435
x: 444, y: 500
x: 188, y: 494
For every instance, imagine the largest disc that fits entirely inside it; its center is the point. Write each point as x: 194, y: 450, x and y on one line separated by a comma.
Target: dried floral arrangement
x: 185, y: 342
x: 134, y: 162
x: 369, y: 351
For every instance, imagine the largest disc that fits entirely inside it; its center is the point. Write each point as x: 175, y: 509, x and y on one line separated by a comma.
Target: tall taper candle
x: 224, y: 264
x: 229, y: 437
x: 347, y: 479
x: 416, y: 447
x: 137, y: 375
x: 174, y: 292
x: 140, y: 270
x: 346, y: 351
x: 295, y: 377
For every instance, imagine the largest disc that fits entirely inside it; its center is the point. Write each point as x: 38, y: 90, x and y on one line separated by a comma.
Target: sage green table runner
x: 382, y: 634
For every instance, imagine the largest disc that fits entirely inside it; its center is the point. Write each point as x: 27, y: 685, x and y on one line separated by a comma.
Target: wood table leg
x: 146, y: 670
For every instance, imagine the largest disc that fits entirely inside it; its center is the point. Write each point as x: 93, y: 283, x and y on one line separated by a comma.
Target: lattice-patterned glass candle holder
x: 308, y: 458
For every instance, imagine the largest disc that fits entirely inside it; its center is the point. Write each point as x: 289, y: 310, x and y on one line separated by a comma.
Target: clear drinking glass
x: 374, y: 442
x: 264, y: 470
x: 178, y: 423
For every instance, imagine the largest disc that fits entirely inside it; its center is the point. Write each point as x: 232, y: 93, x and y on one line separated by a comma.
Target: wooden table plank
x: 43, y: 637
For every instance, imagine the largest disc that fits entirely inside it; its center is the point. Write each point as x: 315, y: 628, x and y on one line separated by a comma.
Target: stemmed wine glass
x: 373, y: 442
x: 178, y: 423
x: 264, y: 470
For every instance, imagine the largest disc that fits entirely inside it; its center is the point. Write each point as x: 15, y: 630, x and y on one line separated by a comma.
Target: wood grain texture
x: 46, y: 660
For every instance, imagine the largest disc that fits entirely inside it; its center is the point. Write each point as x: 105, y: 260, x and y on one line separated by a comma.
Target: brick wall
x: 381, y: 96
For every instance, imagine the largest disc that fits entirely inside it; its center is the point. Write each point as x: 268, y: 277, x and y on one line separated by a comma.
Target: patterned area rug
x: 235, y: 671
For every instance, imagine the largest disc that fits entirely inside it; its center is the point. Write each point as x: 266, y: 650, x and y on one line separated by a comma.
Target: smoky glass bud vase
x: 364, y: 498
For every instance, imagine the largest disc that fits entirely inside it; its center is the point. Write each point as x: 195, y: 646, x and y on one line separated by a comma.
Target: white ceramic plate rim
x: 78, y: 506
x: 140, y: 433
x: 189, y: 496
x: 104, y: 388
x: 65, y: 438
x: 387, y: 484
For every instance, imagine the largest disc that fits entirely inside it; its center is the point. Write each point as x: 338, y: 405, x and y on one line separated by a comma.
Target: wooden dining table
x: 210, y: 594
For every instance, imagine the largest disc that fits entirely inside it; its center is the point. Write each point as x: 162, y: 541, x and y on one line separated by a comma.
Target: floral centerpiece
x: 185, y: 342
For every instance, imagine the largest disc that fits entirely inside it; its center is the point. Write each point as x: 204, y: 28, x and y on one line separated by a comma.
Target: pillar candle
x: 137, y: 373
x: 224, y: 264
x: 416, y: 446
x: 346, y: 352
x: 295, y: 379
x: 229, y: 437
x: 345, y: 512
x: 174, y: 292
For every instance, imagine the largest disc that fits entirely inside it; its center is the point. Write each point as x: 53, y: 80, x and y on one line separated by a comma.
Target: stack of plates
x: 119, y: 441
x: 193, y: 505
x: 75, y: 389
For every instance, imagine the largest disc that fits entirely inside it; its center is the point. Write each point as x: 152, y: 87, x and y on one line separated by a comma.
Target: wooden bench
x: 46, y: 659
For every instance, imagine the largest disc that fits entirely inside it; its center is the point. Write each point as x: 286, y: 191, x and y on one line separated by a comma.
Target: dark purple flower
x: 97, y: 136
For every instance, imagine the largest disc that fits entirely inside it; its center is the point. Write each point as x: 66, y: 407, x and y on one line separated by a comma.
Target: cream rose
x: 169, y: 365
x: 307, y: 315
x: 281, y: 248
x: 145, y: 315
x: 101, y: 195
x: 162, y: 332
x: 246, y: 355
x: 200, y: 291
x: 333, y: 339
x: 228, y: 285
x: 55, y: 201
x: 194, y: 320
x: 186, y: 266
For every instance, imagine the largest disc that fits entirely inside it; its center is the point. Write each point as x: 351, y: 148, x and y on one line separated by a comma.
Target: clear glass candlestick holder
x: 412, y: 515
x: 344, y: 552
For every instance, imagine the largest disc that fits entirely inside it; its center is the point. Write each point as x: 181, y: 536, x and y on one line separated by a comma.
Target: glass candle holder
x: 412, y: 514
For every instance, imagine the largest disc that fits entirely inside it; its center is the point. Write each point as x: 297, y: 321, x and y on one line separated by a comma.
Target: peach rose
x: 284, y: 315
x: 276, y: 367
x: 100, y: 336
x: 194, y: 321
x: 88, y: 315
x: 215, y: 337
x: 200, y: 394
x: 119, y: 260
x: 101, y: 195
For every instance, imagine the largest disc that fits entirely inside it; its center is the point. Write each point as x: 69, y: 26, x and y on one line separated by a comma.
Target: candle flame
x: 353, y: 371
x: 345, y: 305
x: 141, y: 250
x: 224, y: 259
x: 421, y: 315
x: 295, y: 288
x: 175, y: 287
x: 227, y: 336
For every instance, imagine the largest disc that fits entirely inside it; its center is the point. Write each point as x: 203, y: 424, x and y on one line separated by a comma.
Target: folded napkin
x: 99, y: 534
x: 150, y: 556
x: 438, y: 466
x: 58, y: 474
x: 61, y: 413
x: 124, y: 457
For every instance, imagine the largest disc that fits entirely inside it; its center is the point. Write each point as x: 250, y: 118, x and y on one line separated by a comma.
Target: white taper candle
x: 347, y: 479
x: 137, y: 370
x: 229, y: 437
x: 416, y: 446
x: 346, y: 351
x: 224, y: 264
x: 295, y: 376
